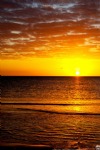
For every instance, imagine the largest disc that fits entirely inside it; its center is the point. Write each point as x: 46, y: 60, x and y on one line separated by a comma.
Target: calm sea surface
x: 63, y: 112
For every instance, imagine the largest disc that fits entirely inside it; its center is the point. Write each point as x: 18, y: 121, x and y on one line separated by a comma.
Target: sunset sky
x: 50, y: 37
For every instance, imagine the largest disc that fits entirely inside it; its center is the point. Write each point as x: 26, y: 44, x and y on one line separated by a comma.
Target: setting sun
x: 77, y: 73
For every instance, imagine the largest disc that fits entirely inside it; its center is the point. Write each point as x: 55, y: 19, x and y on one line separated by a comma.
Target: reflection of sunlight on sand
x: 92, y: 109
x: 77, y: 108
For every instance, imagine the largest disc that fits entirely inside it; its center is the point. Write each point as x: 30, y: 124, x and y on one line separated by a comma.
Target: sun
x: 77, y: 73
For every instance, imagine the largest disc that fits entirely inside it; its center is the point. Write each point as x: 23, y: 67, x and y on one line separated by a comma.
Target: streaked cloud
x: 15, y: 32
x: 43, y: 28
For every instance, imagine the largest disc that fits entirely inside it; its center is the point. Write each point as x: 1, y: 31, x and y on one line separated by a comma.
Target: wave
x: 55, y: 104
x: 57, y: 108
x: 57, y: 112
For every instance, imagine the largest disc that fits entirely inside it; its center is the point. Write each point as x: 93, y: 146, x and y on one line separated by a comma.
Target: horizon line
x: 45, y: 76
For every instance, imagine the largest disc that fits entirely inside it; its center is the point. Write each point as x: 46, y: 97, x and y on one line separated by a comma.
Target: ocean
x: 63, y: 112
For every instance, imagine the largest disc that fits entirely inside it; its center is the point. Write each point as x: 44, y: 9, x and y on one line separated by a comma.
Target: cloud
x: 48, y: 28
x: 94, y: 50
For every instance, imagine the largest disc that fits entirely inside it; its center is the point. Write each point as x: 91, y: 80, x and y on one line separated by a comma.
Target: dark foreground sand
x: 14, y: 146
x: 11, y: 146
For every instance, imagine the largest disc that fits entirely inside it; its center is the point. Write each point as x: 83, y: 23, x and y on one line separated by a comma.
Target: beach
x: 53, y: 113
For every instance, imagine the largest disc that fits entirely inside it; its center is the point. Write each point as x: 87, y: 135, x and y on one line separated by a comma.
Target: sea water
x: 63, y: 112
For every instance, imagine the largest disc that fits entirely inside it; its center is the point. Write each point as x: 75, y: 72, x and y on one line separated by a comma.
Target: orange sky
x: 58, y: 37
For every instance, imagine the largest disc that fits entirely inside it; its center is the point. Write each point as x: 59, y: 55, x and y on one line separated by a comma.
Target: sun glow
x: 77, y: 73
x: 57, y: 67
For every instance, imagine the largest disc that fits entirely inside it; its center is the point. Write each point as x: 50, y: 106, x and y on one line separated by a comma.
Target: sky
x: 50, y: 37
